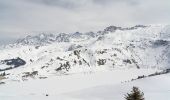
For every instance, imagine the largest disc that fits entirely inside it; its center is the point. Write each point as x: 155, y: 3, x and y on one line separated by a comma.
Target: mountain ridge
x: 139, y: 47
x: 64, y: 37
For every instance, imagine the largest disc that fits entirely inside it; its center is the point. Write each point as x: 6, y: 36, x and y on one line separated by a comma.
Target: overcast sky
x: 21, y: 17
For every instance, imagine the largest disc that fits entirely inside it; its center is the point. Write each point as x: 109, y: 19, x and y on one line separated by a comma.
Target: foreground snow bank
x: 154, y: 88
x: 109, y: 85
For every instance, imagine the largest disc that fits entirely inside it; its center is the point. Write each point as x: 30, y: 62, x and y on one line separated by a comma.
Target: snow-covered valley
x: 93, y: 65
x: 100, y: 85
x: 110, y: 85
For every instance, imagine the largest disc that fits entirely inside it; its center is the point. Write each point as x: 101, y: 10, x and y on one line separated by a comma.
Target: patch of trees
x: 127, y: 61
x: 65, y: 66
x: 30, y: 74
x: 2, y: 83
x: 135, y: 94
x: 3, y: 74
x: 160, y: 43
x: 101, y: 62
x: 154, y: 74
x: 102, y: 51
x: 9, y: 68
x: 77, y: 53
x: 136, y: 63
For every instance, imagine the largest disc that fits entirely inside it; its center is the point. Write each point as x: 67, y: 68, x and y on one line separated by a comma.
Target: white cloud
x: 24, y: 16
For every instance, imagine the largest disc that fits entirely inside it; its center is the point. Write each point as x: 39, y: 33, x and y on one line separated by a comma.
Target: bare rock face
x: 12, y: 63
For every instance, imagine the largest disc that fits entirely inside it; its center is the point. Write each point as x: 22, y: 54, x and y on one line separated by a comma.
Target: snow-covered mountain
x: 39, y: 56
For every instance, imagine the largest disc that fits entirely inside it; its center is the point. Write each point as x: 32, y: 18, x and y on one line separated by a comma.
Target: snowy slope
x: 139, y: 47
x: 70, y: 86
x: 93, y: 65
x: 154, y: 88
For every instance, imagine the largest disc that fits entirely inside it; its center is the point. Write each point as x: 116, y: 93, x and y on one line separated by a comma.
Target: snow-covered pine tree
x: 135, y: 94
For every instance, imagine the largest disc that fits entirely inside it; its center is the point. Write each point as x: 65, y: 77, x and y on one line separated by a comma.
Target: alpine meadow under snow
x: 101, y: 65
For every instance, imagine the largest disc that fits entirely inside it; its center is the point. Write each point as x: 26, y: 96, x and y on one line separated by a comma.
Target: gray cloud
x: 66, y: 4
x: 60, y: 3
x: 20, y: 17
x: 108, y: 2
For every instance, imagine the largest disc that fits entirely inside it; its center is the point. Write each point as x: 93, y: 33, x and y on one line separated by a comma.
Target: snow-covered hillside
x: 43, y: 55
x: 94, y: 65
x: 108, y: 85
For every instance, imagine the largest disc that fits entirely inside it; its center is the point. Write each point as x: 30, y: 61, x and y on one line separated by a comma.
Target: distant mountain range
x: 141, y: 47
